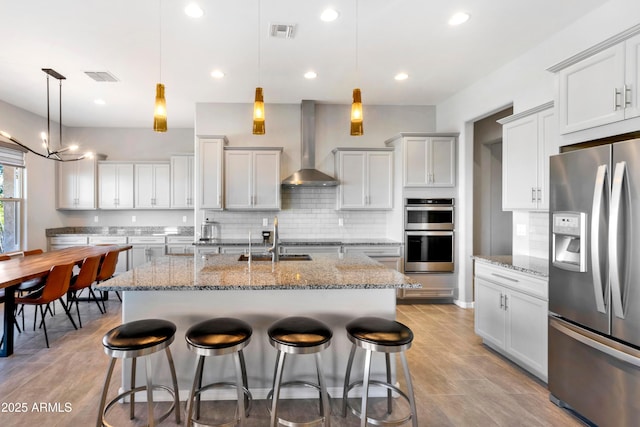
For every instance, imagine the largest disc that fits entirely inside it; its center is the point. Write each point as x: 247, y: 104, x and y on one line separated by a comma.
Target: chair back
x: 88, y: 272
x: 57, y: 283
x: 32, y: 252
x: 108, y: 266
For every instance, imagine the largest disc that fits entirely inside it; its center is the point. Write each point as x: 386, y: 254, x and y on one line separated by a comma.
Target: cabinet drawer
x: 526, y: 283
x: 312, y: 249
x: 69, y: 240
x: 146, y: 240
x: 183, y: 240
x: 112, y: 240
x: 374, y: 250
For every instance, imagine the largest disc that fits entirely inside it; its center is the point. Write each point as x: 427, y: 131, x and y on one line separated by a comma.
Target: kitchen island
x: 334, y: 288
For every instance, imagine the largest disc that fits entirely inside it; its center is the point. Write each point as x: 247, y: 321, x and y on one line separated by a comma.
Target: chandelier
x: 60, y: 153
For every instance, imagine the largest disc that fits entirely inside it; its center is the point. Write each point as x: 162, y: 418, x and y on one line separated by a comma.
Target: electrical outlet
x: 340, y: 222
x: 265, y: 222
x: 95, y: 218
x: 184, y: 218
x: 133, y: 218
x: 521, y: 230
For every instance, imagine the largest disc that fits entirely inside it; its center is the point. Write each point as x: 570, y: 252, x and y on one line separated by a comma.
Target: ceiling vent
x: 101, y: 76
x: 282, y: 31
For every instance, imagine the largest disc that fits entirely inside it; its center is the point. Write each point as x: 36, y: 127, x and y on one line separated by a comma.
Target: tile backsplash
x: 531, y: 234
x: 306, y: 212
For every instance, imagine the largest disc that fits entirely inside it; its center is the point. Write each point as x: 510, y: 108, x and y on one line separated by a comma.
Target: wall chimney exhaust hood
x: 308, y: 176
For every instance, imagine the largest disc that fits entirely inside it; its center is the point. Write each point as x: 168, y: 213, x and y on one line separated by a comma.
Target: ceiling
x: 143, y: 41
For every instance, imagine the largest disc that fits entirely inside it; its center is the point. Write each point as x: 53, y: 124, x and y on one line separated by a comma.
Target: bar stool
x: 299, y: 335
x: 217, y: 337
x: 130, y: 341
x: 379, y: 335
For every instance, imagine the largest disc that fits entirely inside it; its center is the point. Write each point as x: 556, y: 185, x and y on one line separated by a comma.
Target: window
x: 11, y: 184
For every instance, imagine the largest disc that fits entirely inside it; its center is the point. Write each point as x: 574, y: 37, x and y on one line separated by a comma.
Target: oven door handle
x: 429, y: 233
x: 429, y: 208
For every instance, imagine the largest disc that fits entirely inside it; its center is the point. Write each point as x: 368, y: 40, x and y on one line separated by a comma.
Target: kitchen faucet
x: 275, y: 252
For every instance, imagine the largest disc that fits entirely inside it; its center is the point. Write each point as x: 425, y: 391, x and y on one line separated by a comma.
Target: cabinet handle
x: 506, y: 302
x: 533, y: 195
x: 626, y: 96
x: 219, y: 199
x: 501, y: 301
x: 539, y: 194
x: 616, y: 93
x: 505, y: 277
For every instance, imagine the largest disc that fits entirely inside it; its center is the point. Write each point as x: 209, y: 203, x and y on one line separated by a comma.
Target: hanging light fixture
x: 356, y: 106
x: 61, y: 153
x: 258, y: 103
x: 160, y: 109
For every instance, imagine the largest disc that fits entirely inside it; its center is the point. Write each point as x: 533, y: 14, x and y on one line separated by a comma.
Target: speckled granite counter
x: 225, y: 272
x: 303, y: 242
x: 525, y: 264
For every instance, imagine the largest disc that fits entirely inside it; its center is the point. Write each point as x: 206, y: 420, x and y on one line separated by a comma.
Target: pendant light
x: 160, y: 109
x: 258, y: 103
x: 356, y: 105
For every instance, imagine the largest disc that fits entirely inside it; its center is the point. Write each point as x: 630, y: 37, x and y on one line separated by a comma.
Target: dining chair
x: 55, y: 287
x: 31, y: 285
x: 83, y: 280
x: 107, y: 270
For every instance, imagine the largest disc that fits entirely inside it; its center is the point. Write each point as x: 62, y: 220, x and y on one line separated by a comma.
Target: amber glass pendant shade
x: 356, y: 114
x: 258, y: 113
x: 160, y: 110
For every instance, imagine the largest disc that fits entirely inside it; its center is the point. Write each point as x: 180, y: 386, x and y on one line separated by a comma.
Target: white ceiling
x: 130, y: 40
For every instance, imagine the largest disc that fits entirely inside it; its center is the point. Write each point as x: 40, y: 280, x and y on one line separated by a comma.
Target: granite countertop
x: 526, y: 264
x: 225, y: 272
x: 302, y: 242
x: 120, y: 231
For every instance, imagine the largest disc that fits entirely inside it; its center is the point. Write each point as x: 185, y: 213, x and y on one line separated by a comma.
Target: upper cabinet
x: 528, y: 139
x: 77, y: 184
x: 252, y: 178
x: 366, y: 178
x: 115, y: 185
x: 600, y: 85
x: 428, y: 160
x: 182, y: 181
x: 151, y: 183
x: 209, y: 171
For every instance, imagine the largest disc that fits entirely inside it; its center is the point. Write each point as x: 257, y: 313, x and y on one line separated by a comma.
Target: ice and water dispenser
x: 569, y: 241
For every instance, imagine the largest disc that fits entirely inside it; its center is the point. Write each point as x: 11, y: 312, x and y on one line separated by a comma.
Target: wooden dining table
x: 22, y: 268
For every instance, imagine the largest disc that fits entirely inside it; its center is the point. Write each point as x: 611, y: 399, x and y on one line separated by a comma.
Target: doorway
x: 492, y: 226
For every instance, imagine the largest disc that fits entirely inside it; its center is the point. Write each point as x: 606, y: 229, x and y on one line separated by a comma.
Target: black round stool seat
x: 139, y: 334
x: 219, y: 333
x: 379, y: 331
x: 299, y: 331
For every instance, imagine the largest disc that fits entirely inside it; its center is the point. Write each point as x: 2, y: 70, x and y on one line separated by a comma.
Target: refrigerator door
x: 579, y: 183
x: 624, y: 241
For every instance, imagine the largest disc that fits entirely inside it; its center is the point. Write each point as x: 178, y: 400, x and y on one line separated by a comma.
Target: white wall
x: 525, y: 83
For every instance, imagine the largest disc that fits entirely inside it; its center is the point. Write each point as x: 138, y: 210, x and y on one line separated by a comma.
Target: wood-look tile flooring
x: 458, y: 381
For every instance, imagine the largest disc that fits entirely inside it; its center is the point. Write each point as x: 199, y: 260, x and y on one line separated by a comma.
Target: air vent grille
x: 101, y: 76
x: 282, y: 31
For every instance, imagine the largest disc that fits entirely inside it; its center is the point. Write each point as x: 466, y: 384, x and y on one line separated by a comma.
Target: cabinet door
x: 210, y: 168
x: 591, y: 91
x: 442, y: 158
x: 85, y: 184
x: 161, y: 184
x: 632, y: 63
x: 526, y: 334
x: 107, y: 185
x: 125, y: 185
x: 144, y: 185
x: 266, y: 180
x: 182, y: 181
x: 489, y: 312
x: 379, y: 180
x: 548, y: 145
x: 67, y: 185
x: 352, y: 174
x: 237, y: 182
x: 519, y: 163
x: 415, y: 162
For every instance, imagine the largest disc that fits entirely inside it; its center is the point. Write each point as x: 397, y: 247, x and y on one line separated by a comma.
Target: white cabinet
x: 115, y: 185
x: 145, y: 248
x: 182, y: 181
x: 529, y: 138
x: 599, y: 86
x: 61, y: 242
x: 180, y: 245
x: 209, y: 173
x: 77, y: 184
x: 511, y: 315
x: 428, y: 160
x: 310, y: 249
x: 151, y: 184
x: 252, y: 178
x: 389, y: 256
x: 122, y: 264
x: 366, y: 178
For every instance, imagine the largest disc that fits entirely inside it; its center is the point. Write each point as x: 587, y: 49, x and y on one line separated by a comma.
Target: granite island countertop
x: 225, y: 272
x: 525, y: 264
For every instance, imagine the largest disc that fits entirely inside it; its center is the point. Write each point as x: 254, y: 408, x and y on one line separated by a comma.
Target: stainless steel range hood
x: 308, y: 176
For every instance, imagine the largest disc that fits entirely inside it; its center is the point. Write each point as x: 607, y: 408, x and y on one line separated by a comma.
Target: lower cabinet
x: 389, y: 256
x: 180, y: 245
x: 511, y: 315
x: 122, y: 264
x: 144, y: 249
x: 61, y: 242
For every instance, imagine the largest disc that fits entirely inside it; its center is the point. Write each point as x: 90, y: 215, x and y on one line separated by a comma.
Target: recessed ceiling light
x: 99, y: 101
x: 193, y: 10
x: 310, y: 75
x: 459, y: 18
x: 217, y: 74
x: 329, y: 15
x: 401, y: 76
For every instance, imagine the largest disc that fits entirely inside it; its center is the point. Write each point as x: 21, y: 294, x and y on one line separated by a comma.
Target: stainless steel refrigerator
x: 594, y: 283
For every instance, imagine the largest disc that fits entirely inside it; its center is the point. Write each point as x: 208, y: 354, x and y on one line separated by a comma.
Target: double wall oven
x: 429, y: 235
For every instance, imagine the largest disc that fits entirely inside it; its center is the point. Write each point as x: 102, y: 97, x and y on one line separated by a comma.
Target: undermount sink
x: 267, y: 257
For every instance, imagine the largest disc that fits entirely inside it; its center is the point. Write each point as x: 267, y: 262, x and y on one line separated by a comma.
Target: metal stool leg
x: 105, y: 389
x: 325, y: 406
x: 152, y: 421
x: 245, y: 382
x: 347, y: 377
x: 277, y: 380
x: 240, y: 388
x: 132, y: 400
x: 197, y: 380
x: 365, y: 389
x: 387, y: 358
x: 412, y: 401
x: 174, y: 379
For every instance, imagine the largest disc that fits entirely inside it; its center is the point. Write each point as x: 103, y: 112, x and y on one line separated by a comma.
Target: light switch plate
x: 265, y: 222
x: 133, y: 218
